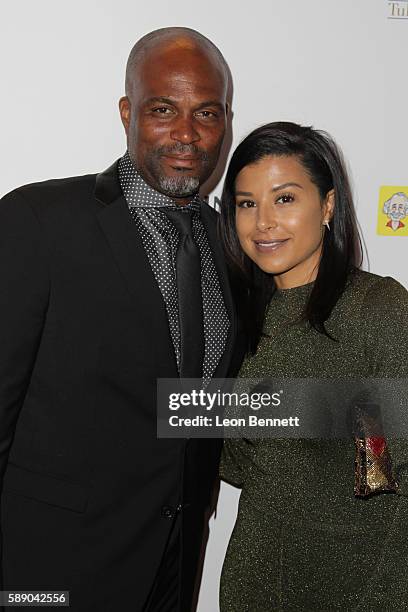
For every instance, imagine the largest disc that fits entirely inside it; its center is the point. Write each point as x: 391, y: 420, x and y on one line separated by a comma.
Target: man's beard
x: 176, y: 186
x: 179, y: 186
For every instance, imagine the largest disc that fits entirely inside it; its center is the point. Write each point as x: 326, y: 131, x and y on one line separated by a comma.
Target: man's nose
x: 183, y: 130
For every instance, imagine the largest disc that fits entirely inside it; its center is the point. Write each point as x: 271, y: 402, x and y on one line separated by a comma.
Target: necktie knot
x: 182, y: 220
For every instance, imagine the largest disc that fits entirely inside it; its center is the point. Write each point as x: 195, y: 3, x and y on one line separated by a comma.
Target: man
x: 92, y: 312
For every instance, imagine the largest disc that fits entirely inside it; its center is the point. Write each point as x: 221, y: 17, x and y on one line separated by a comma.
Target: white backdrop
x: 339, y: 65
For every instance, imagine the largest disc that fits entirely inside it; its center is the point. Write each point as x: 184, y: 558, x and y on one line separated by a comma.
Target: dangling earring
x: 327, y: 224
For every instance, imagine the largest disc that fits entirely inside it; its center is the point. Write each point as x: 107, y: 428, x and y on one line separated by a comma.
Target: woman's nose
x: 266, y: 219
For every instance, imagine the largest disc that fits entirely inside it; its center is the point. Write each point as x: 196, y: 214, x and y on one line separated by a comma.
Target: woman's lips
x: 269, y: 246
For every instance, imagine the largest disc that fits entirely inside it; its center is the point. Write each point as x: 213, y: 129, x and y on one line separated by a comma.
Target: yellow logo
x: 393, y: 211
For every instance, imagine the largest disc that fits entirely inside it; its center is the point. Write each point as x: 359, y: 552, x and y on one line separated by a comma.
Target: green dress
x: 302, y: 540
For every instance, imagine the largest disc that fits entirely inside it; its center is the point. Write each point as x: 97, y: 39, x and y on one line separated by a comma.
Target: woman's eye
x: 286, y: 198
x: 246, y: 204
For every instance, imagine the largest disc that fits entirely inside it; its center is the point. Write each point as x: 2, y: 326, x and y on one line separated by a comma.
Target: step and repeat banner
x: 338, y: 65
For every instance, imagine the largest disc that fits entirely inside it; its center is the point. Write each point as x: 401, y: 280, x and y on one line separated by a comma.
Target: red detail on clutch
x: 376, y: 445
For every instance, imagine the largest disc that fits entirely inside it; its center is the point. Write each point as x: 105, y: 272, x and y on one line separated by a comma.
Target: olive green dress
x: 302, y: 540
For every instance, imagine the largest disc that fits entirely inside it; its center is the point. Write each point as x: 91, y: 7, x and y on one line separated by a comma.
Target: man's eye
x: 286, y: 198
x: 161, y: 110
x: 246, y: 204
x: 206, y: 114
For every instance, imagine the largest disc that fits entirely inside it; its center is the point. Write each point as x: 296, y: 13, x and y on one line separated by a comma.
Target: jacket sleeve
x: 24, y: 291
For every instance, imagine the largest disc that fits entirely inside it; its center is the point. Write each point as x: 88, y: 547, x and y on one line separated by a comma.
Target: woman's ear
x: 328, y: 207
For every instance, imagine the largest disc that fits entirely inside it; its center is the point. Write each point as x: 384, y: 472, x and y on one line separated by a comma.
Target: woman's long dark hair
x: 341, y: 252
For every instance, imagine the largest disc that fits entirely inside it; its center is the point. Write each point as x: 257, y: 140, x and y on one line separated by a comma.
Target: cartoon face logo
x: 396, y: 209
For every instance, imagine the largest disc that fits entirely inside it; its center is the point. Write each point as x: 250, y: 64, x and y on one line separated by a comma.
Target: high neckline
x: 295, y: 292
x: 286, y: 306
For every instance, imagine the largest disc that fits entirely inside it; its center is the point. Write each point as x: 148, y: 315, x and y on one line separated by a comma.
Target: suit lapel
x: 209, y: 219
x: 128, y: 250
x: 122, y: 235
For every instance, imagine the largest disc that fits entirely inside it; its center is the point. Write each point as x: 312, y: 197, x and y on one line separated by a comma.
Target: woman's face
x: 279, y: 219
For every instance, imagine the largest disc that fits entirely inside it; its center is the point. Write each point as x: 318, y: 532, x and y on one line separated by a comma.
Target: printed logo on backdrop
x: 214, y: 201
x: 393, y: 211
x: 398, y: 10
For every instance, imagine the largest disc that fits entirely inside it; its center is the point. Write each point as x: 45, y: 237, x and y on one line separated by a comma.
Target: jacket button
x: 167, y: 511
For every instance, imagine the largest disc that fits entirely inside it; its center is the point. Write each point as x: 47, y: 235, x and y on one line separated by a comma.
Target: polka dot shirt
x: 160, y: 239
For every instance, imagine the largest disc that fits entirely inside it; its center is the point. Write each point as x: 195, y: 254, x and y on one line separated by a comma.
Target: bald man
x: 92, y: 312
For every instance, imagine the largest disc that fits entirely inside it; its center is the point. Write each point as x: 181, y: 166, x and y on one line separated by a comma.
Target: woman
x: 303, y: 539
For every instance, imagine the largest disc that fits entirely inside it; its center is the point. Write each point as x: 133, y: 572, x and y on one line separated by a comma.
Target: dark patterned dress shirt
x: 160, y: 239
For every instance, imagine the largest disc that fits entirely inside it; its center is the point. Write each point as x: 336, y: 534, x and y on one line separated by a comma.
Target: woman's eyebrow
x: 276, y: 188
x: 284, y: 185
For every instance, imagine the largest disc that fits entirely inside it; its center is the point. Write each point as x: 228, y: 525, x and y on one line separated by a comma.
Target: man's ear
x: 124, y: 109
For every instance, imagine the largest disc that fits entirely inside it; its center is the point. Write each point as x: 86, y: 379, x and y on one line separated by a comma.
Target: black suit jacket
x: 89, y: 493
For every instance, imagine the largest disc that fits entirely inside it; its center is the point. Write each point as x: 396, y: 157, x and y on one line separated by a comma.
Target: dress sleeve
x: 237, y: 456
x: 385, y: 310
x: 386, y: 313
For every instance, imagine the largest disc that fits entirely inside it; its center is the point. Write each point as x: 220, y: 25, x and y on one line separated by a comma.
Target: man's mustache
x: 180, y: 149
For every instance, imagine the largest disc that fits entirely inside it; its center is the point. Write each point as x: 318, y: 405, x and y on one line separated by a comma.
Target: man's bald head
x: 171, y: 38
x: 175, y: 109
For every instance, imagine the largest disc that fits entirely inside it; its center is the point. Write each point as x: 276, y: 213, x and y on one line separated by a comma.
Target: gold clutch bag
x: 373, y: 464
